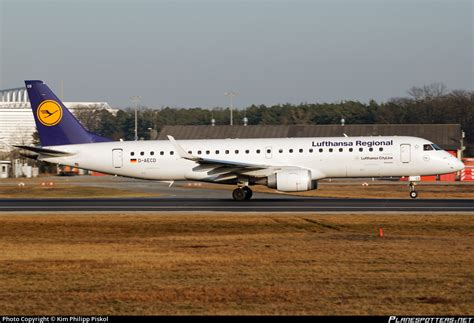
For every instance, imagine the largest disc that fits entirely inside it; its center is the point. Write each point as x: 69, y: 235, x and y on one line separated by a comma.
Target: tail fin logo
x: 49, y: 113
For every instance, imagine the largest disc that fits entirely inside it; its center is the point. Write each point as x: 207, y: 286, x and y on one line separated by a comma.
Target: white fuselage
x: 324, y: 157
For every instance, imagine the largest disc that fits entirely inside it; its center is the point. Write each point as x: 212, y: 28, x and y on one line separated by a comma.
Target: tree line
x: 428, y: 104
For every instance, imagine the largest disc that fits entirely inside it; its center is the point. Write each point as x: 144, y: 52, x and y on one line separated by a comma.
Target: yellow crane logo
x: 49, y: 113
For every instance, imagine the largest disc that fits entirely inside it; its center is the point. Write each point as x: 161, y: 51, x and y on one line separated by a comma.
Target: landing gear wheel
x: 413, y: 193
x: 239, y: 194
x: 248, y: 192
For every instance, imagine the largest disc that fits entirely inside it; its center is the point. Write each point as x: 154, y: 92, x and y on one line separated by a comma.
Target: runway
x: 228, y: 205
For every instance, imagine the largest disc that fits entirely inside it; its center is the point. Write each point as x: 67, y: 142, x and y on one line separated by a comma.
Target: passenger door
x: 405, y: 153
x: 117, y: 158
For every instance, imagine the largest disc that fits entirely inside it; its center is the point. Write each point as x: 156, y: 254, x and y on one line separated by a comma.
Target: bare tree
x: 89, y: 115
x: 428, y: 92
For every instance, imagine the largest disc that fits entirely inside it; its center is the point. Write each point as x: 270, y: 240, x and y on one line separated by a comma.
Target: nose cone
x: 457, y: 165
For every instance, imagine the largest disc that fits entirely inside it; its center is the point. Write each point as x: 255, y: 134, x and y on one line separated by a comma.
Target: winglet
x: 181, y: 152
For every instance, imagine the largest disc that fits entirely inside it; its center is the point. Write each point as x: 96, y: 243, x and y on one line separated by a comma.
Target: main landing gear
x: 242, y: 193
x: 413, y: 192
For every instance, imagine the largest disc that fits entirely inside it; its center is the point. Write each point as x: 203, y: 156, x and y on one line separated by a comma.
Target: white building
x: 16, y: 118
x: 5, y: 168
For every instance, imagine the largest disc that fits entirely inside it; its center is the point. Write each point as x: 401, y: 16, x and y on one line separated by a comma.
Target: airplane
x: 284, y: 164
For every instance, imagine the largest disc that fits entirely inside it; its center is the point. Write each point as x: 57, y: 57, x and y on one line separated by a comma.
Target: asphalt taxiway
x: 228, y: 205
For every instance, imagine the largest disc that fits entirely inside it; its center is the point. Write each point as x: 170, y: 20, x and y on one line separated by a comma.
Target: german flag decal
x: 133, y: 161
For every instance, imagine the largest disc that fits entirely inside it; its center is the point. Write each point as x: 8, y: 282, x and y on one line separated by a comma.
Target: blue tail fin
x: 56, y: 125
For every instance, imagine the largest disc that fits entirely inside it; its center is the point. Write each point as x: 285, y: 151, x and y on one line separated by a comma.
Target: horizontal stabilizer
x: 30, y: 155
x: 45, y: 152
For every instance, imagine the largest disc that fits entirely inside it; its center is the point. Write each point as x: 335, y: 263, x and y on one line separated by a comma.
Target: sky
x: 186, y: 53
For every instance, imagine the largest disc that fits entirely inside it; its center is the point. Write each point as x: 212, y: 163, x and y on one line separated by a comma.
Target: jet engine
x: 292, y: 181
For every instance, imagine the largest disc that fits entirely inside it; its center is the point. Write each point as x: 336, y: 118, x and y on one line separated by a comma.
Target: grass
x: 65, y: 190
x: 236, y: 264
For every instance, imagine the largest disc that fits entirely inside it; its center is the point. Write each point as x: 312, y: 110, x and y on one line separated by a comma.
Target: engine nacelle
x: 292, y: 181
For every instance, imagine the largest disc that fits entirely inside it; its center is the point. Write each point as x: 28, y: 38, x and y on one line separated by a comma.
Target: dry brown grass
x: 236, y: 264
x: 378, y: 190
x: 65, y: 190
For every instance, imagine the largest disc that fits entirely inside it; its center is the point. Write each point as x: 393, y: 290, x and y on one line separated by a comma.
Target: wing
x: 222, y: 170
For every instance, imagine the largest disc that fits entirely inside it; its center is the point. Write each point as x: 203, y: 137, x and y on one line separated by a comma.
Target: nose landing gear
x: 413, y: 192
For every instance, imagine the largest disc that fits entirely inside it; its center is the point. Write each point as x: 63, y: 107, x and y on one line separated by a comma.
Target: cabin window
x: 340, y: 150
x: 269, y: 151
x: 236, y: 151
x: 247, y: 151
x: 190, y: 152
x: 280, y: 151
x: 199, y: 152
x: 310, y: 150
x: 427, y: 147
x: 291, y: 151
x: 371, y: 149
x: 351, y: 149
x: 142, y: 153
x: 227, y: 152
x: 320, y: 150
x: 258, y: 151
x: 217, y: 152
x: 152, y: 153
x: 162, y: 153
x: 361, y: 149
x: 380, y: 148
x: 132, y: 154
x: 207, y: 152
x: 301, y: 150
x: 330, y: 150
x: 171, y: 152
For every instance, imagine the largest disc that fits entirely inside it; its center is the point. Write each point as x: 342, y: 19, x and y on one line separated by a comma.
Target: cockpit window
x: 427, y: 147
x: 436, y: 147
